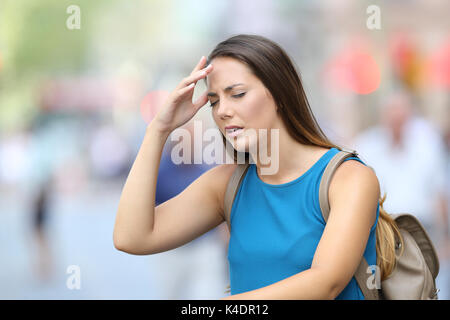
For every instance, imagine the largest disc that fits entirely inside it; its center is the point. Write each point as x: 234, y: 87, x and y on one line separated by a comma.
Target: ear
x: 269, y: 96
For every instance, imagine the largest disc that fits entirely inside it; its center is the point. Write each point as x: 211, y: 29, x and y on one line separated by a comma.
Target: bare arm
x: 135, y: 214
x: 143, y: 229
x: 140, y: 228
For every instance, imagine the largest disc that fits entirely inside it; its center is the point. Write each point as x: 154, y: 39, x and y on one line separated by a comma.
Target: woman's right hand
x: 178, y: 107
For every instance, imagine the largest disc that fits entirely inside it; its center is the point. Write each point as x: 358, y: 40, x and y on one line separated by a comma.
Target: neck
x: 287, y: 160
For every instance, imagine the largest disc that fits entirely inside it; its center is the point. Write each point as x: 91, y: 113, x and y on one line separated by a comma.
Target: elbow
x: 333, y: 292
x: 330, y: 285
x: 335, y: 288
x: 125, y: 244
x: 122, y: 243
x: 122, y: 240
x: 119, y: 244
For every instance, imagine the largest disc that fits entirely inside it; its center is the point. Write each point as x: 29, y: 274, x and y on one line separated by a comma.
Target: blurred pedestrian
x: 409, y: 156
x: 43, y: 259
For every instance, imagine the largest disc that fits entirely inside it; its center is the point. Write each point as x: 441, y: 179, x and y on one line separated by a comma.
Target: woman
x: 280, y: 247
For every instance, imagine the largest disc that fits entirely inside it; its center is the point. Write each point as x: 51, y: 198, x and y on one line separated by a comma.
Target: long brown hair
x: 270, y: 63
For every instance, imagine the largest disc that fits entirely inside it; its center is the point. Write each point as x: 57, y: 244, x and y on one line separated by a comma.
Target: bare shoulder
x: 217, y: 178
x: 354, y: 181
x: 353, y: 172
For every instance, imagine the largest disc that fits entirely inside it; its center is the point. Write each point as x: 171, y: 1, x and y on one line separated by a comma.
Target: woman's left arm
x: 353, y: 197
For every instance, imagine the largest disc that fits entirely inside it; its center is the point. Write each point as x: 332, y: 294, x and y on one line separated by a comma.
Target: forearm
x: 135, y: 214
x: 307, y: 285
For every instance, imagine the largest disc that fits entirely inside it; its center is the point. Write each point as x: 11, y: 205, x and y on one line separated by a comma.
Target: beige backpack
x: 417, y: 265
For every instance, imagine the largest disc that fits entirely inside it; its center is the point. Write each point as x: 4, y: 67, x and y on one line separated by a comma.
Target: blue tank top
x: 275, y: 230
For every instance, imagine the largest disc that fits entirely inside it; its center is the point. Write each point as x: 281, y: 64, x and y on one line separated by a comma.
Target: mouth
x: 233, y: 132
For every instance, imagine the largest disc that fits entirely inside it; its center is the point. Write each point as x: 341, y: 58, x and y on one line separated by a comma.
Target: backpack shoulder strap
x: 326, y: 179
x: 362, y: 275
x: 232, y: 188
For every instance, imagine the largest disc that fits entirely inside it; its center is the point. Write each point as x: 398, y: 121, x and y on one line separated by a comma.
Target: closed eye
x: 240, y: 95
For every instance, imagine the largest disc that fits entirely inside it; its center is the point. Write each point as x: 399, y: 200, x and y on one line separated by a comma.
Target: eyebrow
x: 212, y: 94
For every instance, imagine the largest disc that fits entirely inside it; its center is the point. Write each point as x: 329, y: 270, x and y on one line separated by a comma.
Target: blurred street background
x: 80, y: 80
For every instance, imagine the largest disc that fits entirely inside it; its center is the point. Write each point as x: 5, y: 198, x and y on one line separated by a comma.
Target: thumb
x: 201, y: 101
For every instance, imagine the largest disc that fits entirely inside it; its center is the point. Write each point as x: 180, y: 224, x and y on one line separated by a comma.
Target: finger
x: 184, y: 91
x: 197, y: 76
x: 199, y: 65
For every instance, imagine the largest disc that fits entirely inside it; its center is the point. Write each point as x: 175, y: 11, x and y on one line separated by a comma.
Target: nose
x: 224, y: 110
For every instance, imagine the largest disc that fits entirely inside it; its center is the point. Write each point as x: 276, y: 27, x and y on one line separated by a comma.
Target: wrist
x: 155, y: 129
